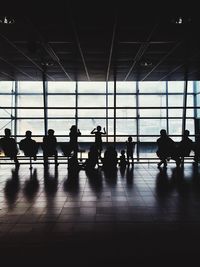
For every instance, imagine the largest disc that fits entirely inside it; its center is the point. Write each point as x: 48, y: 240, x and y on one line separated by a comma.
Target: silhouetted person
x: 29, y: 146
x: 166, y: 149
x: 130, y: 145
x: 92, y: 159
x: 186, y: 145
x: 98, y: 138
x: 73, y: 139
x: 9, y: 146
x: 197, y: 150
x: 110, y: 159
x: 122, y: 159
x: 49, y: 147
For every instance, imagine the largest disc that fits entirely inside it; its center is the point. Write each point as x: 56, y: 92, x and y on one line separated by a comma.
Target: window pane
x: 35, y: 126
x: 30, y: 101
x: 91, y: 87
x: 30, y: 87
x: 6, y: 87
x: 151, y: 127
x: 61, y: 127
x: 61, y: 113
x: 175, y: 128
x: 175, y: 86
x: 61, y: 101
x: 61, y: 87
x: 91, y: 113
x: 6, y: 101
x: 152, y: 101
x: 91, y: 101
x: 126, y: 87
x: 152, y: 87
x: 125, y: 127
x: 126, y: 113
x: 125, y: 100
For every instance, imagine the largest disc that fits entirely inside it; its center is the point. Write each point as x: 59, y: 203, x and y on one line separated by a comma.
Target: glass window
x: 152, y: 87
x: 151, y: 127
x: 6, y: 86
x: 35, y: 126
x: 125, y: 100
x: 30, y: 87
x: 152, y: 101
x: 176, y: 86
x: 125, y: 87
x: 91, y: 113
x: 175, y: 128
x: 61, y: 101
x: 91, y: 101
x: 91, y: 87
x: 30, y: 101
x: 61, y: 87
x: 61, y: 127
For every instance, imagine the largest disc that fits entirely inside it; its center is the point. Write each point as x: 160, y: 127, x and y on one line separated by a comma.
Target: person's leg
x: 56, y: 158
x: 16, y: 160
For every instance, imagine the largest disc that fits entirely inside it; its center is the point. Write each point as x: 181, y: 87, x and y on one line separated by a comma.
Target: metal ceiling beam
x: 47, y: 47
x: 180, y: 66
x: 79, y: 47
x: 111, y: 47
x: 141, y: 51
x: 7, y: 75
x: 22, y: 53
x: 162, y: 60
x: 18, y: 69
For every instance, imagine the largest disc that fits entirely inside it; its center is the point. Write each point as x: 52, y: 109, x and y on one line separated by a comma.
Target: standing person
x: 9, y: 146
x: 49, y: 147
x: 73, y: 141
x: 98, y: 138
x: 166, y: 149
x: 122, y: 159
x: 130, y: 145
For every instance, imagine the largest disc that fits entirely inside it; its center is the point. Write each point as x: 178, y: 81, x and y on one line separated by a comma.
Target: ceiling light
x: 145, y: 63
x: 179, y: 20
x: 6, y: 20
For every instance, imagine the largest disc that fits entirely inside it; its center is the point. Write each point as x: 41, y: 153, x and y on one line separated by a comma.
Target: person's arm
x: 104, y: 130
x: 93, y: 131
x: 79, y: 133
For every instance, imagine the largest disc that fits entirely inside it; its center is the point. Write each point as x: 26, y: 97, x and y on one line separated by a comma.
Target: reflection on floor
x: 137, y: 215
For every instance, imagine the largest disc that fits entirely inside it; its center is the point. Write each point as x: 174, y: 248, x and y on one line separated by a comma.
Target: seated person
x: 92, y: 160
x: 197, y: 150
x: 29, y: 146
x: 166, y: 149
x: 122, y: 160
x: 110, y: 158
x: 9, y: 146
x: 49, y: 147
x: 186, y: 145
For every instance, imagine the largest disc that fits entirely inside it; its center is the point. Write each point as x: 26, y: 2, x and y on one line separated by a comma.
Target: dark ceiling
x: 98, y: 41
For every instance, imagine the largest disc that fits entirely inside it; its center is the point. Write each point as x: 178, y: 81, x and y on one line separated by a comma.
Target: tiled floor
x: 99, y: 219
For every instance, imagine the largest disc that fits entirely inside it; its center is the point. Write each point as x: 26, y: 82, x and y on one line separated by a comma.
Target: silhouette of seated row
x: 168, y: 149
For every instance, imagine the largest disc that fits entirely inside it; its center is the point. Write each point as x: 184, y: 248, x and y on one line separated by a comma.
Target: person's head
x: 130, y: 138
x: 98, y: 128
x: 163, y: 132
x: 122, y: 152
x: 73, y: 128
x: 28, y: 134
x: 7, y: 132
x: 51, y: 132
x: 186, y: 133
